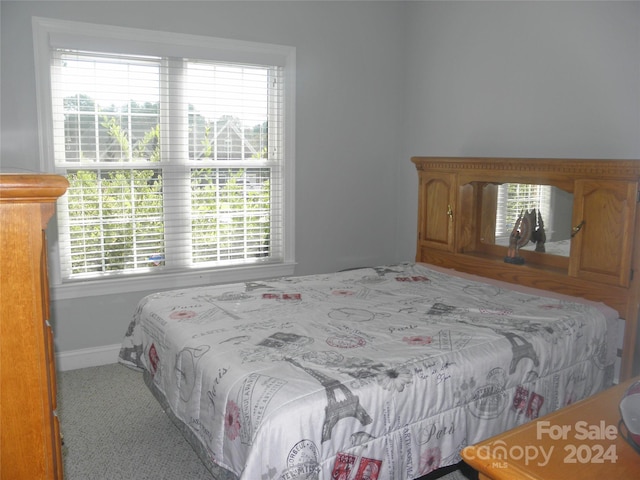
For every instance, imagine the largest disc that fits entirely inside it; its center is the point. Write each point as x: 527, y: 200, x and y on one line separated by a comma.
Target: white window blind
x: 516, y: 198
x: 175, y: 163
x: 171, y: 162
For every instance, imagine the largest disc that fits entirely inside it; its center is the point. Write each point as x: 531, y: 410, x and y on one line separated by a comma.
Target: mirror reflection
x: 541, y: 212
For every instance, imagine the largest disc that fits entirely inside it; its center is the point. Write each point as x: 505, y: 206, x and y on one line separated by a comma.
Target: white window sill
x: 151, y: 283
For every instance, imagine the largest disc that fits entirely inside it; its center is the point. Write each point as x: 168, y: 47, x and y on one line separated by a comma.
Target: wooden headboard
x: 457, y: 220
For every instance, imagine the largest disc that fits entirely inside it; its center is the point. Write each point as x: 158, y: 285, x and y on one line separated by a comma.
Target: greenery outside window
x: 178, y: 165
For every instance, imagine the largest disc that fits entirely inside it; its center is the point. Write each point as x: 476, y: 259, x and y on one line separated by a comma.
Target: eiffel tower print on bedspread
x: 336, y: 410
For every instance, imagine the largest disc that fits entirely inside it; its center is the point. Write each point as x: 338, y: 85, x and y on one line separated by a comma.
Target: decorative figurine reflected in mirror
x: 502, y: 203
x: 528, y: 227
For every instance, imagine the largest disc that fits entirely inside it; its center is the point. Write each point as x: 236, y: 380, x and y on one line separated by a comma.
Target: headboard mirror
x: 504, y: 203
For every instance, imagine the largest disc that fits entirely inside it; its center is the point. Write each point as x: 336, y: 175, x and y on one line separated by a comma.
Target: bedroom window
x: 179, y: 165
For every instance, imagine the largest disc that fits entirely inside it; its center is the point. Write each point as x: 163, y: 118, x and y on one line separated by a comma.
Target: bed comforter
x: 378, y: 373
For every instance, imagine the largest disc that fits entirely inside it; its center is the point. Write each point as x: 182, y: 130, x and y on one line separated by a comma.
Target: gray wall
x: 522, y: 79
x: 377, y: 82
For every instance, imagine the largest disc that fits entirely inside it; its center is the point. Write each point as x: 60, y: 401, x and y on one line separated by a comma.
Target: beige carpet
x: 115, y: 430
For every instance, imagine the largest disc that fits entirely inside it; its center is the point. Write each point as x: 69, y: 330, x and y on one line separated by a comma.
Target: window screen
x: 173, y: 163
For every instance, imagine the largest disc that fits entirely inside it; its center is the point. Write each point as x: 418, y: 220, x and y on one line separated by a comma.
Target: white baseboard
x: 87, y: 357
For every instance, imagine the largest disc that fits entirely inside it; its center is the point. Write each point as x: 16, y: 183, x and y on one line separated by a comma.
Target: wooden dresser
x: 30, y: 444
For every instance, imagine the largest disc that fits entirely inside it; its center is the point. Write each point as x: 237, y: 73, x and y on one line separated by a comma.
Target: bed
x: 392, y: 369
x: 373, y: 373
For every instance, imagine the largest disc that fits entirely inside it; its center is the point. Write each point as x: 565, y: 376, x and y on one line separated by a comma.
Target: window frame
x: 48, y: 32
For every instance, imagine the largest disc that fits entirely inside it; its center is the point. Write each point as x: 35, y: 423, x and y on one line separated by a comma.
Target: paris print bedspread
x: 377, y: 373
